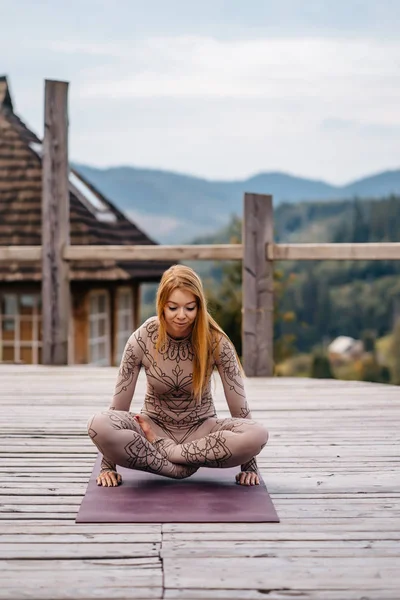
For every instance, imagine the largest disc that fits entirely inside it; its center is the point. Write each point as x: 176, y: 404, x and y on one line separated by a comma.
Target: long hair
x: 204, y: 326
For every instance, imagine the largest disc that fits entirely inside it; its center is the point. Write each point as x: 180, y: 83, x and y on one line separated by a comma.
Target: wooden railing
x: 257, y: 278
x: 257, y: 253
x: 365, y: 251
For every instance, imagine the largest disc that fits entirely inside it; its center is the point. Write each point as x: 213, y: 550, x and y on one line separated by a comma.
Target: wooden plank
x: 325, y: 533
x: 340, y: 526
x: 161, y: 252
x: 105, y: 578
x: 280, y: 594
x: 81, y: 586
x: 36, y: 502
x: 20, y: 253
x: 19, y: 515
x: 304, y: 573
x: 55, y: 225
x: 338, y: 548
x: 136, y: 531
x: 362, y: 251
x: 75, y: 550
x: 141, y: 540
x: 257, y: 330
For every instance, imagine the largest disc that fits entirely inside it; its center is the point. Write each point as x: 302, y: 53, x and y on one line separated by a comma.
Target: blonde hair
x: 204, y: 327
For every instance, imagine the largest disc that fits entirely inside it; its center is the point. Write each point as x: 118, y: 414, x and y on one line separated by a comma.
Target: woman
x: 178, y: 430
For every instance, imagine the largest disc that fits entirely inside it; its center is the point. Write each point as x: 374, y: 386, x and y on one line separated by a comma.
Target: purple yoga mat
x: 208, y: 496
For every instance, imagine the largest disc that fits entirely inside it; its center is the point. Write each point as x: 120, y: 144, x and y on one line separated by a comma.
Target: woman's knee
x: 258, y: 437
x: 96, y: 422
x: 98, y: 428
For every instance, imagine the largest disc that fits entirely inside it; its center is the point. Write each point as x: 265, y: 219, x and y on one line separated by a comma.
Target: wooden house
x: 104, y: 294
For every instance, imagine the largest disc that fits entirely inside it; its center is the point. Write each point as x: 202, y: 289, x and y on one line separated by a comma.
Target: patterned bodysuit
x: 189, y: 434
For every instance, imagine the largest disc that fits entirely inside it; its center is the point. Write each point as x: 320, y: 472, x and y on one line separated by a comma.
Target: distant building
x: 105, y: 294
x: 345, y: 349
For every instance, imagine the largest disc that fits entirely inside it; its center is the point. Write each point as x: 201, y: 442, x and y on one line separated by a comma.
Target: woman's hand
x: 109, y: 478
x: 247, y: 478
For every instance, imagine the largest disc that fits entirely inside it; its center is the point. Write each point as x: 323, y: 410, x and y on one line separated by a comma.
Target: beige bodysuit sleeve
x: 128, y: 373
x: 232, y: 381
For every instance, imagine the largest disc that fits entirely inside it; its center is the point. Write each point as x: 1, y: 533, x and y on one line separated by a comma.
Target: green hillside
x: 331, y: 298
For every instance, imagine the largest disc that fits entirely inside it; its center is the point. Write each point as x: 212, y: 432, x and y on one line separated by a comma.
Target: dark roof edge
x: 5, y: 96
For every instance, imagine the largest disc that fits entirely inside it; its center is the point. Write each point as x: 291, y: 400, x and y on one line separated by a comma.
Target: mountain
x: 174, y: 208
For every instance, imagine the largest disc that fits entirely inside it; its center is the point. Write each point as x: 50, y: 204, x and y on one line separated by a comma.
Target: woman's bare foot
x: 147, y: 430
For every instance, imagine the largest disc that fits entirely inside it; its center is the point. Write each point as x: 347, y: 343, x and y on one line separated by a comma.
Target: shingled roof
x: 93, y: 218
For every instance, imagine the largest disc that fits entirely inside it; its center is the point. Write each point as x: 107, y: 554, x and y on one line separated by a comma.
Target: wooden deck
x: 331, y: 466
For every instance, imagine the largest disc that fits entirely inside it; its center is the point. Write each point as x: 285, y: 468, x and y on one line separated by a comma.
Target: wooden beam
x: 170, y: 253
x: 20, y: 253
x: 366, y: 251
x: 258, y: 309
x: 55, y: 225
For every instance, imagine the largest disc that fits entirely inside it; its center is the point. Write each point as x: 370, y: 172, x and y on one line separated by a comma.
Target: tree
x: 373, y: 371
x: 369, y: 341
x: 321, y: 367
x: 395, y: 352
x: 225, y: 305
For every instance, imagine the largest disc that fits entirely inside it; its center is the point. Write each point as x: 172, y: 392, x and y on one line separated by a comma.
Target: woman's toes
x: 146, y: 427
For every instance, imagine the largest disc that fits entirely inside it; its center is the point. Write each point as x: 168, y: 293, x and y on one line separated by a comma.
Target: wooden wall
x: 80, y: 316
x: 79, y: 325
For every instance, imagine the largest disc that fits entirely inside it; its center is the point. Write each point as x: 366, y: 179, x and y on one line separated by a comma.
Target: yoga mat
x: 208, y: 496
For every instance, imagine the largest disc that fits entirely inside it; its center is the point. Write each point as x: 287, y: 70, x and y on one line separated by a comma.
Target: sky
x: 221, y: 89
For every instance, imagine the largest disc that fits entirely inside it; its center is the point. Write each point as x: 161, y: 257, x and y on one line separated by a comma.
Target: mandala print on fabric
x: 235, y: 425
x: 230, y: 368
x: 181, y: 412
x: 141, y: 455
x: 121, y: 420
x: 170, y: 398
x: 251, y: 466
x: 152, y: 331
x: 211, y: 450
x: 245, y: 411
x: 93, y: 435
x: 176, y: 350
x: 107, y: 465
x: 129, y: 368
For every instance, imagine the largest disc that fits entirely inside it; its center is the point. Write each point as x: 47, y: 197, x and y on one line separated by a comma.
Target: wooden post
x: 55, y: 225
x: 258, y: 307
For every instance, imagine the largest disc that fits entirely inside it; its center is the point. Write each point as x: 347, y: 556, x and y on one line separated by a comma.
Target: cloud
x: 190, y: 66
x: 354, y: 127
x: 221, y: 108
x: 101, y: 20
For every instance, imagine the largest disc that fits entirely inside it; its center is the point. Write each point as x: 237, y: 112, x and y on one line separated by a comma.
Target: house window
x: 124, y: 319
x: 99, y: 330
x: 20, y: 328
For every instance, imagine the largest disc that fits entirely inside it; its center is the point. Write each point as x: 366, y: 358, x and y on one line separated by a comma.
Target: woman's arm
x: 128, y: 374
x: 232, y: 381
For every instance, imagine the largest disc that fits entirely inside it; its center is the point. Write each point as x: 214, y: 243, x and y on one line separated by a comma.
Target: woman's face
x: 180, y: 313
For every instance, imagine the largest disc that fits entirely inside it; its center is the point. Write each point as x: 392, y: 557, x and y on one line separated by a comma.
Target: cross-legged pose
x: 177, y: 430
